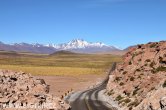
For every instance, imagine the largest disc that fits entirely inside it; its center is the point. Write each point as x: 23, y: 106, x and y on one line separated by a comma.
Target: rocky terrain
x: 139, y: 82
x: 19, y: 90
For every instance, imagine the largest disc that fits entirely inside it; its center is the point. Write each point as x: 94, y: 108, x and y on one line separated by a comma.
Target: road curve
x: 89, y: 99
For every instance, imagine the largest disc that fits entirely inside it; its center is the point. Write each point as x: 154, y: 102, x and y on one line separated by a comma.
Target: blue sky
x: 114, y: 22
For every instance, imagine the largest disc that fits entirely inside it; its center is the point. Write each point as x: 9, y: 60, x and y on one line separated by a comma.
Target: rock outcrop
x: 20, y: 90
x: 139, y: 82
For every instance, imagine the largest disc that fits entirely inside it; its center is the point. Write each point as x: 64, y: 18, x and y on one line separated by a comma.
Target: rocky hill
x: 20, y: 91
x: 139, y: 82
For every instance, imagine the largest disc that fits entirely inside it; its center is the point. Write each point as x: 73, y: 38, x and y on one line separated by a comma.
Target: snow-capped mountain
x: 79, y: 44
x: 76, y: 45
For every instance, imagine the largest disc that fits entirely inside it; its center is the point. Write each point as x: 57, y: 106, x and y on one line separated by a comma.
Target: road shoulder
x: 108, y: 100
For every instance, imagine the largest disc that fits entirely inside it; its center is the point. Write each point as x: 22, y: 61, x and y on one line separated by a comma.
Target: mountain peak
x: 80, y: 44
x: 75, y: 45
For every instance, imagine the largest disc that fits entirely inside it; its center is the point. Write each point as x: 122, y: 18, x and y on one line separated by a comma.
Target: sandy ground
x: 59, y: 85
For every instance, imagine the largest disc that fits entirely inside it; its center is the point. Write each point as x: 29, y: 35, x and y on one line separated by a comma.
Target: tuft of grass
x: 139, y: 77
x: 117, y: 79
x: 132, y: 78
x: 135, y: 91
x: 164, y: 84
x: 110, y: 92
x: 153, y: 45
x: 127, y: 100
x: 135, y: 103
x: 138, y: 70
x: 161, y: 68
x: 118, y: 98
x: 148, y: 60
x: 121, y: 83
x: 152, y: 64
x: 130, y: 63
x: 152, y: 88
x: 124, y: 72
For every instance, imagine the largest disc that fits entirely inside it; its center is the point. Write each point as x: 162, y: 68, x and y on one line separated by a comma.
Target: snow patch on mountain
x: 78, y: 44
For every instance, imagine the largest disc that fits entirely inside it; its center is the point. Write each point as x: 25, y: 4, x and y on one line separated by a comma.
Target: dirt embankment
x: 60, y: 85
x: 139, y: 83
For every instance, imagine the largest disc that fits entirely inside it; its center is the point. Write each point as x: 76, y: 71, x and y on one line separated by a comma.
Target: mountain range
x: 76, y: 45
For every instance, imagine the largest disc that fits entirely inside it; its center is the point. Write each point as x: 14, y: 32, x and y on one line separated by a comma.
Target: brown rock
x: 21, y: 89
x: 140, y: 77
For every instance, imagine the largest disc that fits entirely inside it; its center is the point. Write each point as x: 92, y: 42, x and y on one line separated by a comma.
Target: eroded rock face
x: 21, y: 90
x: 139, y: 82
